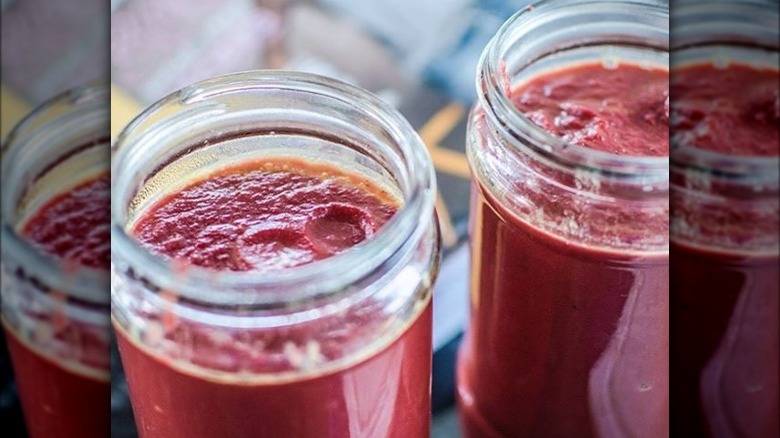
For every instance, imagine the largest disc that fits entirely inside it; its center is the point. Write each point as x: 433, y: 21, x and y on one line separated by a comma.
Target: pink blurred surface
x: 50, y: 46
x: 158, y: 46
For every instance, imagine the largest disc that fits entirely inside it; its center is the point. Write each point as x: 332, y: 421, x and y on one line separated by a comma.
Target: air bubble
x: 273, y: 245
x: 721, y: 63
x: 610, y: 63
x: 338, y: 227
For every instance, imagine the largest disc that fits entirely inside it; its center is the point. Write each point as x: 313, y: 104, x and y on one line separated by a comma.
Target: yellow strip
x: 449, y: 237
x: 13, y: 109
x: 124, y: 108
x: 452, y: 162
x: 435, y: 130
x: 441, y: 124
x: 445, y: 160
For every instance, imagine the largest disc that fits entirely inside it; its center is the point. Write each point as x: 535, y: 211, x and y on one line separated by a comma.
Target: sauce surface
x: 734, y: 110
x: 75, y: 225
x: 262, y: 216
x: 622, y: 110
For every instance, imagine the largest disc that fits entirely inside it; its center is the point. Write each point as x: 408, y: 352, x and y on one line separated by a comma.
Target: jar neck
x: 552, y: 34
x: 58, y: 146
x: 269, y: 114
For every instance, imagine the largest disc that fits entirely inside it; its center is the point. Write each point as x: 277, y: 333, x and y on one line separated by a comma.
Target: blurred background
x: 47, y: 48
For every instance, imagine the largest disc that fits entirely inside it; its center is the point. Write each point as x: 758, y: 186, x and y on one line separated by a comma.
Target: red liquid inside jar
x: 724, y: 301
x: 568, y: 338
x: 66, y: 393
x: 206, y: 382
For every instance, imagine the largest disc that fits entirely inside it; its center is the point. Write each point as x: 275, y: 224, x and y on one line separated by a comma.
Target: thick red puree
x: 75, y: 225
x: 733, y: 109
x: 202, y: 381
x: 264, y: 217
x: 724, y: 355
x: 569, y: 337
x: 65, y: 393
x: 622, y: 110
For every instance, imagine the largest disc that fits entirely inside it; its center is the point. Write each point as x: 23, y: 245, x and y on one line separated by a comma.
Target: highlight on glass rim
x: 428, y: 219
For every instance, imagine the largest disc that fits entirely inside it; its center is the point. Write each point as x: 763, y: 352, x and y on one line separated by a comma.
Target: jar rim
x: 322, y: 278
x: 492, y: 94
x: 735, y: 21
x: 80, y: 283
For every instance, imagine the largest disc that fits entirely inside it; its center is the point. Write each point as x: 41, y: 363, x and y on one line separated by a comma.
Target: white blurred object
x: 438, y: 41
x: 419, y: 29
x: 159, y: 46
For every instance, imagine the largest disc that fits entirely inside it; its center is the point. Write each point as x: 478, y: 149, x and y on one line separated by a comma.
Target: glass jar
x: 724, y: 228
x: 568, y: 333
x: 338, y: 347
x: 55, y: 311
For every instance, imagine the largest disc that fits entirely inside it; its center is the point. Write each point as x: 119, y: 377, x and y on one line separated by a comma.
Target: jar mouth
x: 50, y: 123
x: 274, y: 289
x: 746, y: 33
x: 493, y: 81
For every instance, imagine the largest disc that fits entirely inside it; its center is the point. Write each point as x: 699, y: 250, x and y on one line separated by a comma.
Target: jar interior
x: 199, y: 162
x: 555, y: 35
x: 247, y: 118
x: 574, y: 33
x: 744, y: 176
x: 203, y: 131
x: 61, y: 145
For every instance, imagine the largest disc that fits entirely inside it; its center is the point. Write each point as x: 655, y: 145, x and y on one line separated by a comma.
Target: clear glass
x: 724, y: 233
x: 569, y: 245
x: 349, y: 335
x: 55, y: 313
